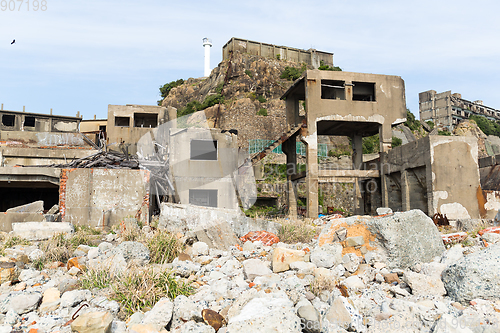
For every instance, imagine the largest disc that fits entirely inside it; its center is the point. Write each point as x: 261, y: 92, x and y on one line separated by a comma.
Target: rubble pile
x: 389, y: 273
x: 102, y: 159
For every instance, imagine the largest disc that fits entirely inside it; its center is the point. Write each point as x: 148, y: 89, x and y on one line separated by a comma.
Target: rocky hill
x: 250, y: 87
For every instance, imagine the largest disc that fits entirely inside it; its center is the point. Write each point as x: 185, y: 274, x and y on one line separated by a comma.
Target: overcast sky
x: 81, y: 55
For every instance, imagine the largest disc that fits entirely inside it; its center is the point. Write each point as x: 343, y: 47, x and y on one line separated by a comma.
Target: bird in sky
x: 13, y: 41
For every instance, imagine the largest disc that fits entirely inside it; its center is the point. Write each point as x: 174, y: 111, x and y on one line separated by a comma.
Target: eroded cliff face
x: 251, y: 87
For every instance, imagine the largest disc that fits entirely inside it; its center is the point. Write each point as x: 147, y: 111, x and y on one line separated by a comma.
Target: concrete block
x: 34, y: 207
x: 41, y: 230
x: 355, y: 241
x: 219, y: 236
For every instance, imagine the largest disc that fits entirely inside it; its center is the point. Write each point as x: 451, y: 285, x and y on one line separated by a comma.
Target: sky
x: 81, y: 55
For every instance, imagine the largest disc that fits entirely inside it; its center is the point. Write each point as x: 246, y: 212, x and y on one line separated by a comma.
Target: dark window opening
x: 16, y: 194
x: 207, y: 198
x: 122, y: 121
x: 204, y: 150
x: 102, y: 128
x: 8, y: 120
x: 332, y: 89
x: 149, y: 120
x: 29, y: 121
x: 363, y: 91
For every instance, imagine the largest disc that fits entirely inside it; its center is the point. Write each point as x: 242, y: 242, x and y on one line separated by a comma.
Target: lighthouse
x: 207, y: 44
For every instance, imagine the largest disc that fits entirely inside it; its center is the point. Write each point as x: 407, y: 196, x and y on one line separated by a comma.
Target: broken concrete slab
x: 402, y: 239
x: 34, y: 207
x: 41, y: 230
x: 219, y: 236
x: 6, y: 219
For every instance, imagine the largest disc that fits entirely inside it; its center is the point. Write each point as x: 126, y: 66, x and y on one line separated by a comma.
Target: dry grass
x: 321, y: 283
x: 163, y: 247
x: 137, y: 289
x: 297, y: 231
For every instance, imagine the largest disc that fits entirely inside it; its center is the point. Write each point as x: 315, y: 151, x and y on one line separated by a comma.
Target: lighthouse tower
x: 207, y: 44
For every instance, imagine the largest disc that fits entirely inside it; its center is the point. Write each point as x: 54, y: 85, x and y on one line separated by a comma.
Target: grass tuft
x: 163, y: 247
x: 297, y: 231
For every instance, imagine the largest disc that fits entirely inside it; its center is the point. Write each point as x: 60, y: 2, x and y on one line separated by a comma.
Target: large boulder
x: 271, y: 313
x: 476, y: 275
x: 400, y: 239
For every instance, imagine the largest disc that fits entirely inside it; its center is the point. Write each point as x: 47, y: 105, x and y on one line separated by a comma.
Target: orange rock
x: 251, y: 284
x: 73, y: 262
x: 213, y: 319
x: 33, y: 330
x: 454, y: 237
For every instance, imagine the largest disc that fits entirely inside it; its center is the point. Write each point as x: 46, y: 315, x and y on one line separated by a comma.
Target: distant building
x: 447, y: 110
x: 311, y: 57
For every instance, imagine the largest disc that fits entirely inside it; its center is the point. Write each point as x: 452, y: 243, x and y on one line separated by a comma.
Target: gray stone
x: 194, y: 327
x: 255, y: 267
x: 327, y: 255
x: 343, y: 313
x: 424, y: 285
x: 34, y: 207
x: 453, y: 254
x: 28, y: 274
x: 136, y: 318
x: 477, y: 275
x: 491, y: 237
x: 105, y: 246
x: 36, y: 255
x: 20, y: 302
x: 406, y: 238
x: 37, y: 231
x: 309, y: 317
x: 185, y: 268
x: 67, y: 285
x: 199, y: 249
x: 266, y: 314
x: 354, y: 283
x: 449, y: 324
x: 133, y: 252
x: 384, y: 211
x: 160, y: 315
x: 351, y: 262
x: 93, y: 322
x: 5, y: 328
x: 355, y: 241
x: 185, y: 310
x: 212, y: 236
x: 11, y: 318
x: 74, y: 297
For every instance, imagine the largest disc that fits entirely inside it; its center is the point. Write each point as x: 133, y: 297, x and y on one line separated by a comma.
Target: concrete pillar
x: 311, y: 142
x: 385, y: 136
x: 357, y: 161
x: 289, y: 148
x: 405, y: 191
x: 292, y: 111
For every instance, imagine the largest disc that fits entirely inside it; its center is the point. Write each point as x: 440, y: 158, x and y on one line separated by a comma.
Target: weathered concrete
x: 436, y: 174
x: 104, y: 197
x: 344, y: 104
x: 40, y: 230
x: 34, y: 207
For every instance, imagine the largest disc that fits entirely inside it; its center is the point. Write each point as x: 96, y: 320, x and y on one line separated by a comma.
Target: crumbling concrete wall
x: 103, y: 197
x: 127, y: 124
x: 34, y: 122
x: 192, y: 173
x: 437, y: 174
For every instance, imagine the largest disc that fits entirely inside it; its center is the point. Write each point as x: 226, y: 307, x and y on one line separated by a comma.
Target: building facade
x: 446, y: 110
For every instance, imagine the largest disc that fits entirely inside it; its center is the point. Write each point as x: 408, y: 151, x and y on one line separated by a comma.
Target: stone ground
x: 391, y: 273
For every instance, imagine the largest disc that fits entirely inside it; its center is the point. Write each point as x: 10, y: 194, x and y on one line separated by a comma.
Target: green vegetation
x: 324, y: 67
x: 278, y: 172
x: 137, y: 290
x: 489, y: 127
x: 431, y: 124
x: 264, y: 211
x: 297, y: 231
x: 445, y: 132
x: 165, y: 89
x: 248, y: 72
x: 411, y: 122
x: 278, y: 56
x: 340, y: 151
x: 293, y: 73
x: 194, y: 106
x: 261, y: 99
x: 371, y: 144
x: 163, y: 247
x: 262, y: 112
x: 396, y: 142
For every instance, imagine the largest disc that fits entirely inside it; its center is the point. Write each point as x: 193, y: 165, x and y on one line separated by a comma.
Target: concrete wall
x: 311, y: 57
x: 204, y: 174
x: 344, y: 104
x: 34, y: 122
x: 41, y: 148
x: 103, y: 197
x: 436, y: 174
x: 131, y: 134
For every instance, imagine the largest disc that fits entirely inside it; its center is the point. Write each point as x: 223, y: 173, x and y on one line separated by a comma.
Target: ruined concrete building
x: 446, y: 109
x: 310, y: 57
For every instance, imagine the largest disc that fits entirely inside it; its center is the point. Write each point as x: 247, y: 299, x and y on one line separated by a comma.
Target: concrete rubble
x: 361, y: 274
